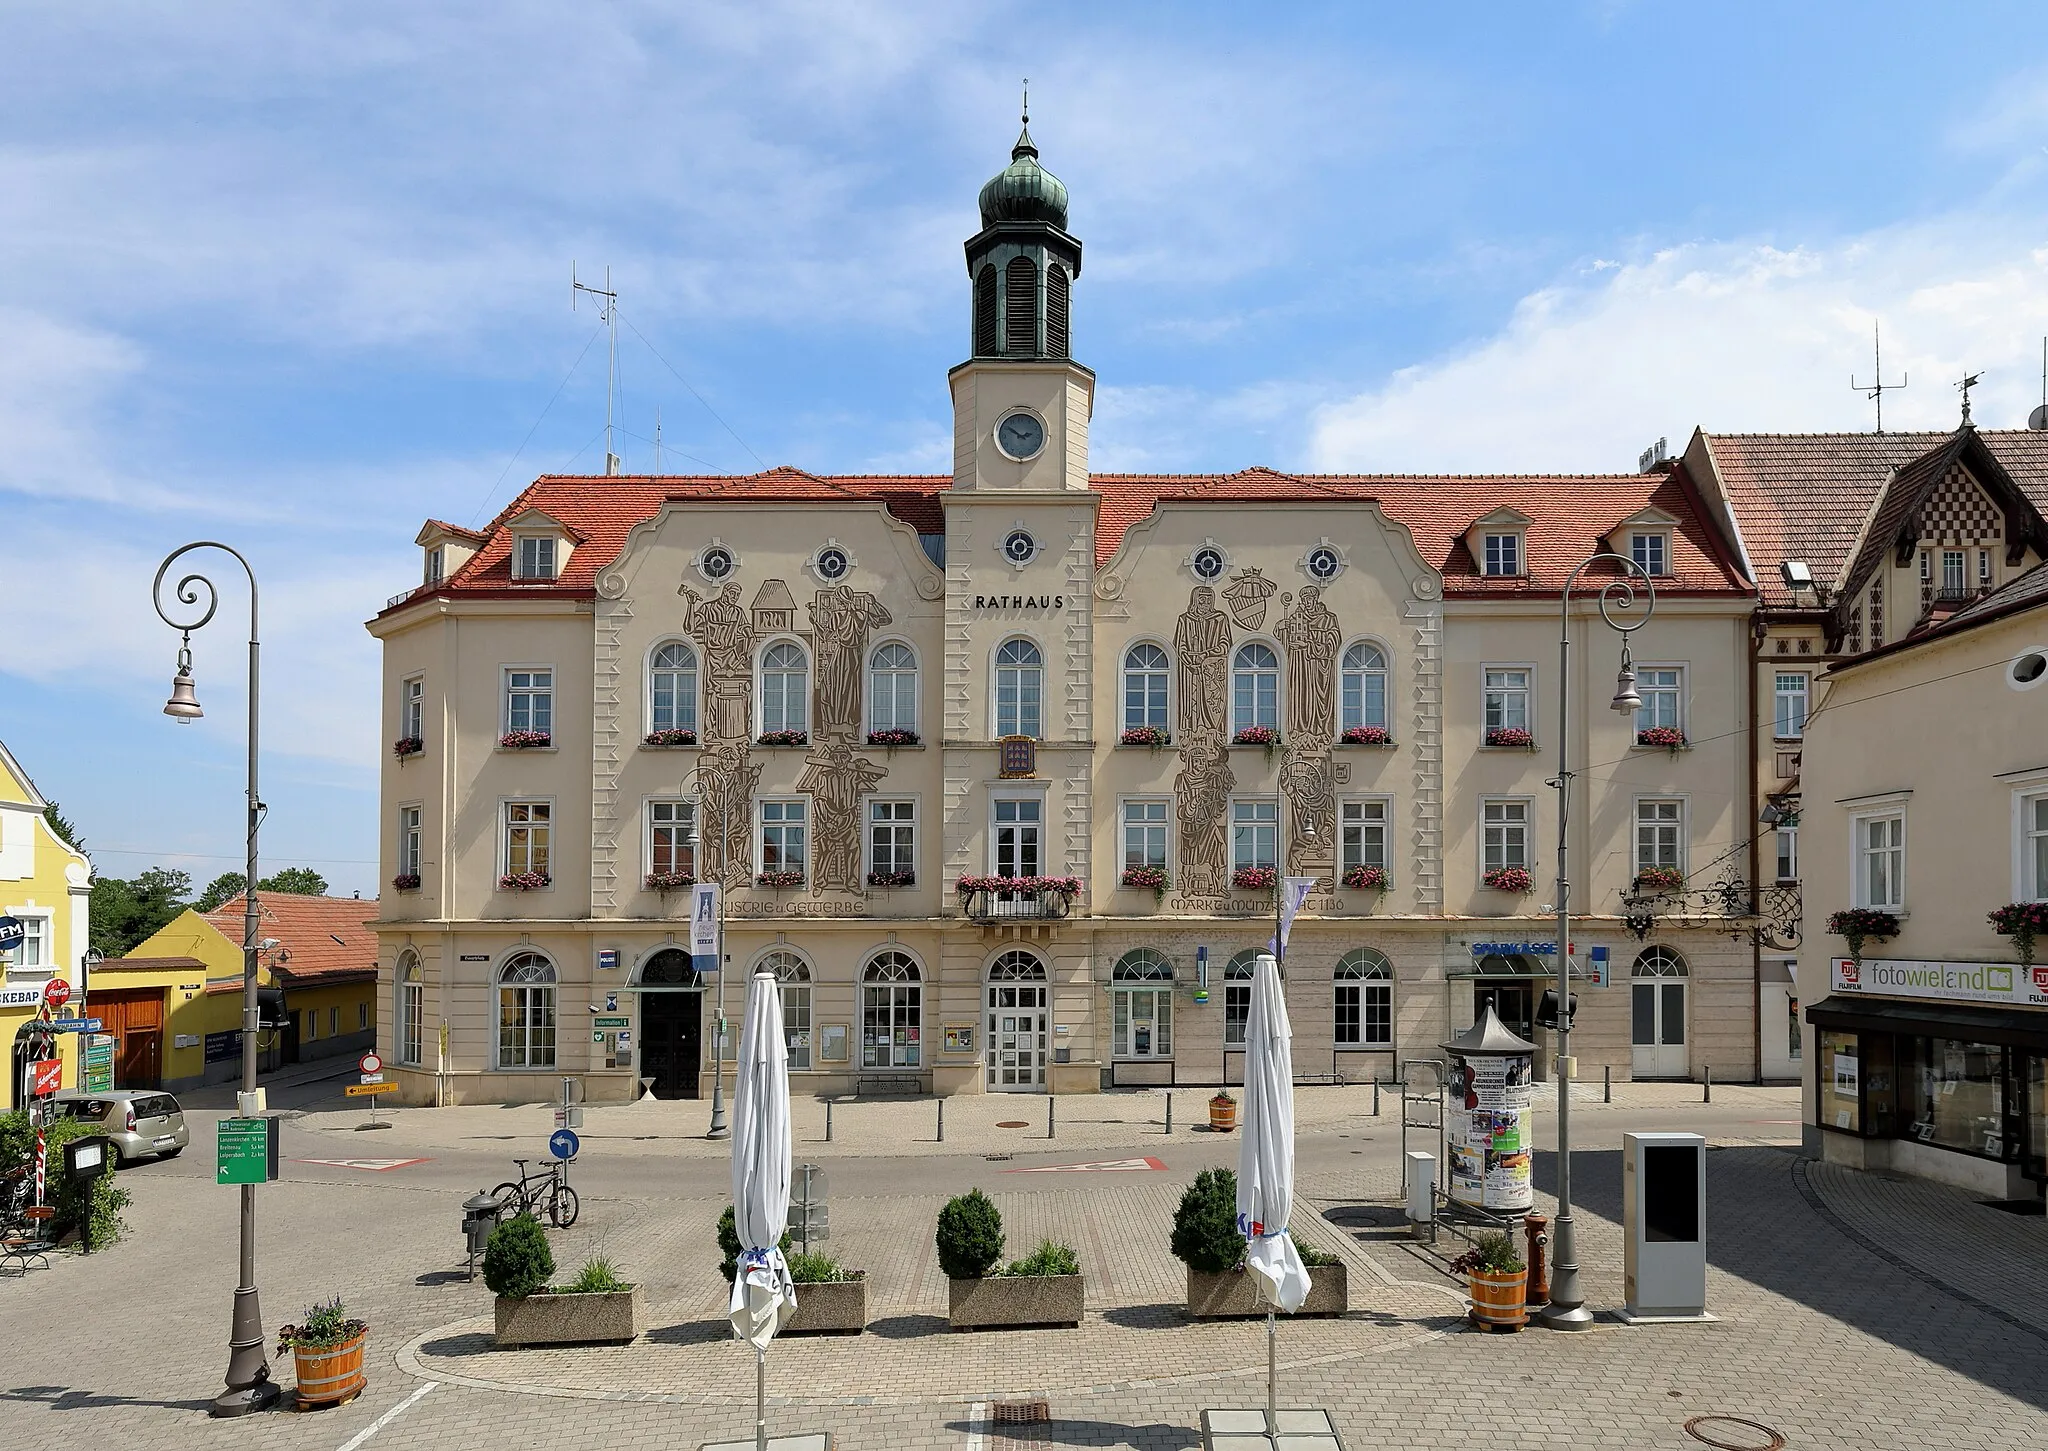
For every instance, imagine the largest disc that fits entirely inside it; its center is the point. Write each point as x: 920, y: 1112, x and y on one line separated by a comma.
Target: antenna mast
x: 1875, y: 391
x: 608, y: 314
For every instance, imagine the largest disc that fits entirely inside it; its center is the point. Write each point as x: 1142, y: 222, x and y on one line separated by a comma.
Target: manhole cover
x: 1020, y: 1412
x: 1733, y: 1433
x: 1013, y: 1123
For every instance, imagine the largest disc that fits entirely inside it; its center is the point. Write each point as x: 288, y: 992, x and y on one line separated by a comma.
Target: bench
x: 26, y: 1240
x: 890, y: 1084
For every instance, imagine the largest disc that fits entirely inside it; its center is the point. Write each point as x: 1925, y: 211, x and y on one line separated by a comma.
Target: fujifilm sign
x: 1957, y: 982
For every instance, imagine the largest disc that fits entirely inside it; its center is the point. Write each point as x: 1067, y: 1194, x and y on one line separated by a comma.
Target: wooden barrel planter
x: 1497, y: 1299
x: 1222, y: 1114
x: 329, y: 1375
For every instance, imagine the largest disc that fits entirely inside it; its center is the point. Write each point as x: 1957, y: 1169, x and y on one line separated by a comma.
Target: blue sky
x: 297, y: 277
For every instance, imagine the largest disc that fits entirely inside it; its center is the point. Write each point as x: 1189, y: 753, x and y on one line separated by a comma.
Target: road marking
x: 1102, y: 1166
x: 378, y: 1166
x: 387, y: 1418
x: 974, y: 1437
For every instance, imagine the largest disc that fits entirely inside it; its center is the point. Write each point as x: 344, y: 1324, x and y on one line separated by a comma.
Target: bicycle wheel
x: 563, y: 1206
x: 511, y: 1199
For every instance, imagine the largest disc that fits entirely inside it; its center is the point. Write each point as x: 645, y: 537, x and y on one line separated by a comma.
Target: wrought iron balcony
x: 1014, y: 905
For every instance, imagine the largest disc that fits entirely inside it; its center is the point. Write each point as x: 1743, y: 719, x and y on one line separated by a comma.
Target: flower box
x: 1065, y: 886
x: 892, y: 738
x: 546, y: 1319
x: 1153, y: 879
x: 829, y: 1307
x: 1234, y: 1294
x: 1659, y: 879
x: 1256, y: 736
x: 892, y: 879
x: 662, y: 740
x: 1860, y: 924
x: 523, y: 881
x: 1366, y: 736
x: 410, y: 746
x: 1508, y: 879
x: 779, y: 879
x: 1365, y: 879
x: 1671, y: 738
x: 1254, y: 879
x: 2023, y: 922
x: 996, y: 1302
x: 406, y: 882
x: 1154, y: 736
x: 1513, y: 737
x: 784, y: 738
x: 526, y: 740
x: 669, y: 881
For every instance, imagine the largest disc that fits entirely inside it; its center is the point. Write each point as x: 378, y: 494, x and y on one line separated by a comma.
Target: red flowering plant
x: 1660, y: 879
x: 523, y: 881
x: 1509, y: 879
x: 784, y: 738
x: 1517, y: 737
x: 668, y: 881
x: 677, y: 737
x: 892, y: 879
x: 1154, y: 736
x: 1365, y: 879
x: 1254, y: 879
x: 892, y: 737
x: 1256, y: 736
x: 1065, y: 886
x: 1366, y: 736
x: 788, y: 877
x: 1671, y: 738
x: 2022, y: 922
x: 1149, y: 878
x: 406, y: 882
x: 525, y: 740
x: 1860, y: 924
x: 408, y: 746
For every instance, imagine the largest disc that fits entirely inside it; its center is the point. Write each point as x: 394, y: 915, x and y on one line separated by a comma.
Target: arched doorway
x: 1019, y: 1004
x: 671, y: 1023
x: 1657, y: 1014
x: 1507, y: 986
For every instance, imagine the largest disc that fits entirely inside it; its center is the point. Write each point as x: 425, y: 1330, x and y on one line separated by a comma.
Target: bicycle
x: 530, y: 1191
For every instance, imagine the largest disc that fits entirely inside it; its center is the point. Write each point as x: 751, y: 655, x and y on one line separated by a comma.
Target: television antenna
x: 2038, y: 419
x: 1875, y: 391
x: 607, y: 313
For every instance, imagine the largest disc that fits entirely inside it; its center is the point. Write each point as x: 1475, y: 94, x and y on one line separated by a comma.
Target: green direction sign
x: 247, y: 1151
x: 614, y: 1022
x: 96, y: 1065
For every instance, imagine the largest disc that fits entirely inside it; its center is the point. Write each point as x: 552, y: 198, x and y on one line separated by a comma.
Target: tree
x: 294, y: 881
x: 66, y: 832
x: 124, y: 911
x: 222, y: 889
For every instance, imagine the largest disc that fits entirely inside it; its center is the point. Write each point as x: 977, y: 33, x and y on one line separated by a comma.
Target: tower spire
x: 1025, y: 145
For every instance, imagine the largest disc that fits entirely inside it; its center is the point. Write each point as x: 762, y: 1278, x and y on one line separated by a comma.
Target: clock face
x: 1021, y: 436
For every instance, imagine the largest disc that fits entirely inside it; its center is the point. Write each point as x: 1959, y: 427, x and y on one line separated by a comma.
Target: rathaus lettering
x: 1020, y: 602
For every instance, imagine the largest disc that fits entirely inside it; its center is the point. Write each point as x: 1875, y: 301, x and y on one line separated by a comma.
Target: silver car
x: 143, y: 1123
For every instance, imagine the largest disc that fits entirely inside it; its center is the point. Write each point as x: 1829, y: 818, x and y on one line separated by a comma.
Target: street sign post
x: 563, y: 1143
x: 96, y: 1062
x: 369, y: 1090
x: 246, y: 1151
x: 76, y: 1025
x: 369, y: 1063
x: 568, y: 1118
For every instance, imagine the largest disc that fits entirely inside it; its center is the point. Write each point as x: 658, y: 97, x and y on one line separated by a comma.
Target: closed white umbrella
x: 763, y: 1295
x: 1265, y: 1160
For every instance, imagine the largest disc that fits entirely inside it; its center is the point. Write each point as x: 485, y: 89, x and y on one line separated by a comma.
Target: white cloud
x: 1736, y: 337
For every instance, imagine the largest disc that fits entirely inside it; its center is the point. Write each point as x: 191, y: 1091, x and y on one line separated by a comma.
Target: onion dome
x: 1024, y: 191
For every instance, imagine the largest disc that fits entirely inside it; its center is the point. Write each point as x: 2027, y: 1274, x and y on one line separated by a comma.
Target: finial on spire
x: 1969, y: 382
x: 1027, y: 100
x: 1025, y: 145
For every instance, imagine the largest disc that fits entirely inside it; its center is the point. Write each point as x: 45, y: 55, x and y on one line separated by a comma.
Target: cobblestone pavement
x: 1856, y: 1311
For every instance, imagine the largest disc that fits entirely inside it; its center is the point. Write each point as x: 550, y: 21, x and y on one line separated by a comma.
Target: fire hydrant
x: 1537, y: 1228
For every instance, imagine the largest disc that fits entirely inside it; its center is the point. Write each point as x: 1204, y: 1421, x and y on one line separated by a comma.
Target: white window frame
x: 1781, y: 704
x: 1028, y: 706
x: 782, y: 821
x: 1675, y: 692
x: 1033, y: 828
x: 1669, y: 820
x: 1239, y: 972
x: 37, y: 927
x: 895, y: 675
x: 895, y: 825
x: 794, y: 973
x: 1255, y: 826
x: 1501, y: 554
x: 2029, y: 836
x: 1369, y: 980
x: 1785, y: 859
x: 1157, y: 688
x: 409, y: 818
x: 412, y: 708
x: 1860, y: 822
x: 1360, y: 713
x: 505, y: 825
x: 530, y: 693
x: 1148, y: 827
x: 684, y: 684
x: 437, y: 558
x: 1508, y: 693
x: 536, y: 556
x: 1511, y: 829
x: 1255, y: 675
x: 1961, y: 560
x: 902, y: 1000
x: 1356, y: 818
x: 542, y: 993
x: 1157, y: 992
x: 410, y: 1003
x: 782, y: 722
x: 682, y: 816
x: 1656, y: 542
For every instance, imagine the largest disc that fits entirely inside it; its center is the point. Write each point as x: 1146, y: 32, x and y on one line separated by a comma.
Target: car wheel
x: 120, y: 1159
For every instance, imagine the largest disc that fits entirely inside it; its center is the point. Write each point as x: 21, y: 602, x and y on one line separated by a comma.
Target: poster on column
x: 1489, y: 1132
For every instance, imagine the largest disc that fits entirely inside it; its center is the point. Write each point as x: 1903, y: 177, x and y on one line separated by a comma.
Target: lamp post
x: 249, y: 1387
x: 719, y: 1128
x: 1567, y: 1308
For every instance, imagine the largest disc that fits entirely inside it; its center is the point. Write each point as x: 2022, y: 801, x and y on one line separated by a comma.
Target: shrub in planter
x: 1052, y: 1257
x: 327, y: 1353
x: 1065, y: 886
x: 1205, y: 1235
x: 517, y: 1260
x: 1498, y: 1280
x: 595, y: 1306
x: 406, y: 882
x: 729, y: 1246
x: 2023, y: 922
x: 833, y: 1300
x: 599, y: 1276
x: 790, y: 878
x: 1044, y: 1288
x: 1858, y: 925
x: 970, y: 1236
x: 93, y: 1209
x: 1256, y: 736
x: 1509, y: 879
x: 892, y: 879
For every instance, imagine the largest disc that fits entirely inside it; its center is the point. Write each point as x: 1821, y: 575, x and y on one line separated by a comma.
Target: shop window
x: 892, y: 1012
x: 1141, y: 994
x: 1958, y: 1096
x: 1841, y: 1082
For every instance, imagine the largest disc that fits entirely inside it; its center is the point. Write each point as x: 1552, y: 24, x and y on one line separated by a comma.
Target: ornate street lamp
x: 249, y: 1387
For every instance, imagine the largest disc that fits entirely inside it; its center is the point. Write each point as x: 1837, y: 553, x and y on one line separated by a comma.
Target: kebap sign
x: 2005, y: 983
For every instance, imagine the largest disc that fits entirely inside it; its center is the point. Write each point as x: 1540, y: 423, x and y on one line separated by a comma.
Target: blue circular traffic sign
x: 563, y: 1144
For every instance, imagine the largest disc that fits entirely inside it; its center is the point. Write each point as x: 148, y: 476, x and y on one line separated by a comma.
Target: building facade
x: 997, y: 768
x: 46, y: 885
x: 1927, y: 808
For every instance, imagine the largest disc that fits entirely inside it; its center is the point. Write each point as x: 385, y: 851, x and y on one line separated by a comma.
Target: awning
x: 2008, y: 1027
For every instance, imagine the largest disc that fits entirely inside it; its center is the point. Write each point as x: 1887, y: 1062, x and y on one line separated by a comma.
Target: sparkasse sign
x: 1958, y: 982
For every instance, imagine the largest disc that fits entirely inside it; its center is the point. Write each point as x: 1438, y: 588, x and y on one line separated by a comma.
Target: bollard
x: 1607, y: 1084
x: 1049, y: 1100
x: 828, y: 1120
x: 1375, y: 1098
x: 1708, y: 1095
x: 1169, y: 1115
x: 942, y: 1121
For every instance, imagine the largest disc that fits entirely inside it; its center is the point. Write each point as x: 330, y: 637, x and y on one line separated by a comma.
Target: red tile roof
x: 328, y: 937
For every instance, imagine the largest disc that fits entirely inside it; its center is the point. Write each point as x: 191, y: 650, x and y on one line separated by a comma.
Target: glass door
x: 1016, y: 1037
x: 1658, y: 1023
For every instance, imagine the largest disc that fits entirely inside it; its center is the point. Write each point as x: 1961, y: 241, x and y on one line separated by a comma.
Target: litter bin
x: 480, y: 1215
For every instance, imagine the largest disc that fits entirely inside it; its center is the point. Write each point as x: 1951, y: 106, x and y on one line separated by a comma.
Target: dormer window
x: 436, y: 564
x: 534, y: 557
x: 1503, y: 554
x: 1651, y: 552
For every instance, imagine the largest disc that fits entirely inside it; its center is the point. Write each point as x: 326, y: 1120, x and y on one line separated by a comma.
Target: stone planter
x: 570, y: 1319
x: 838, y: 1307
x: 1013, y: 1301
x: 1232, y: 1295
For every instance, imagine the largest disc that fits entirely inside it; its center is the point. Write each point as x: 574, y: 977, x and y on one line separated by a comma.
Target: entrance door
x: 136, y: 1020
x: 1016, y: 1037
x: 1512, y: 1003
x: 1779, y: 1004
x: 1658, y: 1014
x: 672, y: 1042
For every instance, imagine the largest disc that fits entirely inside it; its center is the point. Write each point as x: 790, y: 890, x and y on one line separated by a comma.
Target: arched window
x: 795, y: 976
x: 1237, y: 995
x: 1145, y: 672
x: 891, y: 1012
x: 987, y: 343
x: 1364, y: 986
x: 892, y: 688
x: 1057, y: 302
x: 670, y: 967
x: 672, y: 688
x: 1255, y: 688
x: 1657, y: 1014
x: 1364, y: 687
x: 411, y: 1004
x: 785, y: 682
x: 1017, y: 965
x: 526, y: 1012
x: 1659, y: 962
x: 1020, y: 689
x: 1020, y: 307
x: 1141, y: 1000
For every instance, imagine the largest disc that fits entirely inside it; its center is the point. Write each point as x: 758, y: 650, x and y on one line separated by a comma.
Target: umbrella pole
x: 1272, y: 1380
x: 760, y: 1399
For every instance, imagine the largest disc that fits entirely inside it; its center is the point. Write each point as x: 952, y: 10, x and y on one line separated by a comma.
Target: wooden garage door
x: 136, y: 1019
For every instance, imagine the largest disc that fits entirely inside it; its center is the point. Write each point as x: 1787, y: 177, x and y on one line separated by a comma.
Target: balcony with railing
x: 1017, y: 899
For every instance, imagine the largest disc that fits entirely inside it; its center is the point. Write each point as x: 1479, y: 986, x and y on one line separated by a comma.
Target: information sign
x: 563, y: 1143
x: 246, y: 1151
x: 615, y: 1022
x: 96, y: 1064
x: 369, y: 1087
x: 76, y: 1025
x: 46, y: 1077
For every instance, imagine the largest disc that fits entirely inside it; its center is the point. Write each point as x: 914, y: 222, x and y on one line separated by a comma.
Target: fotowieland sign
x: 2006, y: 983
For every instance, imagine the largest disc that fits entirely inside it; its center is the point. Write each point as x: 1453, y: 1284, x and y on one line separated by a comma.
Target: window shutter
x: 1056, y: 300
x: 1021, y: 307
x: 986, y: 342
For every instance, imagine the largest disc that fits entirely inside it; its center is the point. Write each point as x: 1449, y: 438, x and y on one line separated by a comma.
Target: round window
x: 717, y: 562
x: 1019, y: 547
x: 832, y: 564
x: 2028, y: 670
x: 1323, y: 563
x: 1208, y: 562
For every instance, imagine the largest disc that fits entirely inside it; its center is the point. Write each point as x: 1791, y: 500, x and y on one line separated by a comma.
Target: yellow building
x: 174, y: 1005
x: 46, y: 886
